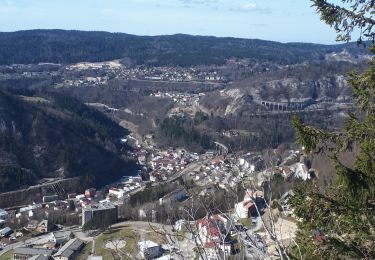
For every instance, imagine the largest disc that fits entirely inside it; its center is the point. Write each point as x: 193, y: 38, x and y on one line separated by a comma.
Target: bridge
x: 275, y: 113
x: 286, y: 106
x: 221, y: 149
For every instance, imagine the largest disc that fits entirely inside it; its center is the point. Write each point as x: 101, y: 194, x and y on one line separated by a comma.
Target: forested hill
x: 55, y: 136
x: 60, y: 46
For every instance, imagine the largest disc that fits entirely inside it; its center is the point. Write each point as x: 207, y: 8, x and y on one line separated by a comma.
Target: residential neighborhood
x: 214, y: 235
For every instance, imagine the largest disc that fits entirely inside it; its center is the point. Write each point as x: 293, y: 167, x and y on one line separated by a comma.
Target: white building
x: 97, y: 213
x: 179, y: 224
x: 242, y: 209
x: 3, y: 214
x: 212, y: 234
x: 245, y: 208
x: 300, y: 171
x: 137, y: 178
x: 118, y: 193
x: 148, y: 249
x: 173, y: 197
x: 60, y: 237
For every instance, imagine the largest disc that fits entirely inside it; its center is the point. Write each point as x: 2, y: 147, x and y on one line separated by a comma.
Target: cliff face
x: 56, y: 137
x: 319, y: 83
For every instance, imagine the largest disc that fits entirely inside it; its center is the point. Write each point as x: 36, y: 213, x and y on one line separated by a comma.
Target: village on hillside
x: 158, y: 213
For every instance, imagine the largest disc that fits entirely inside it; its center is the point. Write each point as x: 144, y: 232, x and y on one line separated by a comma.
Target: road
x: 24, y: 243
x: 81, y: 235
x: 76, y: 230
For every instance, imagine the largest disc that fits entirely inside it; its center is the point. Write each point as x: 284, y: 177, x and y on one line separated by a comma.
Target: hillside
x: 55, y: 136
x: 59, y: 46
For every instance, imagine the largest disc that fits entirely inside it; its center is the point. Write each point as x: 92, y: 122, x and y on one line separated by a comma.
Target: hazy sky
x: 279, y: 20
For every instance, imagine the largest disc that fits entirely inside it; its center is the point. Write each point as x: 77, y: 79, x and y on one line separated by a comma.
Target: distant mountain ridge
x: 61, y: 46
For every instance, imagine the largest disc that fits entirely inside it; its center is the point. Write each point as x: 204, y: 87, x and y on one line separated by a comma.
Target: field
x: 123, y: 240
x: 85, y: 252
x: 7, y: 256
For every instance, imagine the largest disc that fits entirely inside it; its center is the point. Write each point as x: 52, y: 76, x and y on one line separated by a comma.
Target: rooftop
x: 69, y: 248
x: 146, y: 244
x: 95, y: 257
x: 101, y: 206
x: 62, y: 234
x: 32, y: 251
x: 39, y: 257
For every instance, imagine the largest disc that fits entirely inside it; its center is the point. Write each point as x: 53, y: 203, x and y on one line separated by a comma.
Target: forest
x: 60, y: 46
x: 56, y: 136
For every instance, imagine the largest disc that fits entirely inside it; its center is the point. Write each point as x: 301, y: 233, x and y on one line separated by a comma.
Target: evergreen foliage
x: 61, y: 46
x: 346, y: 16
x: 151, y: 194
x: 61, y: 137
x: 344, y: 210
x: 176, y: 131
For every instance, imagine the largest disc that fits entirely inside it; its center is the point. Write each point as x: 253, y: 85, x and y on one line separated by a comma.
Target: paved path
x: 24, y: 243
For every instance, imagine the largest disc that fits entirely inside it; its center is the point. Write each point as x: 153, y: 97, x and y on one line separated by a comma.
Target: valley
x: 182, y: 134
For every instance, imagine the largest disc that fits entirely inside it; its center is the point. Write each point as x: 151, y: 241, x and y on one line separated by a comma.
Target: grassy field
x: 85, y: 252
x: 181, y: 234
x: 126, y: 233
x: 7, y: 256
x: 246, y: 222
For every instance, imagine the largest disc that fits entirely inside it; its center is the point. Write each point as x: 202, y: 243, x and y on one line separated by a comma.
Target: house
x: 154, y: 176
x: 179, y: 224
x: 300, y: 171
x: 89, y: 193
x: 252, y: 203
x: 137, y: 178
x: 148, y: 249
x: 43, y: 226
x: 91, y: 257
x: 50, y: 198
x: 32, y: 224
x: 70, y: 250
x: 213, y: 235
x: 60, y: 237
x: 3, y: 214
x: 6, y: 232
x: 97, y: 213
x: 39, y: 257
x: 118, y: 193
x: 19, y: 234
x: 23, y: 253
x: 244, y: 209
x: 251, y: 195
x: 165, y: 257
x: 30, y: 208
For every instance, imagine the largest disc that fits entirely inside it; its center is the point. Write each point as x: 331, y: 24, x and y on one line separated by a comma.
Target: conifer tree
x: 338, y: 221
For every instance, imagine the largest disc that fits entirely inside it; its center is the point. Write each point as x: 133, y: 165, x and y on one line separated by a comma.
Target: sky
x: 277, y: 20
